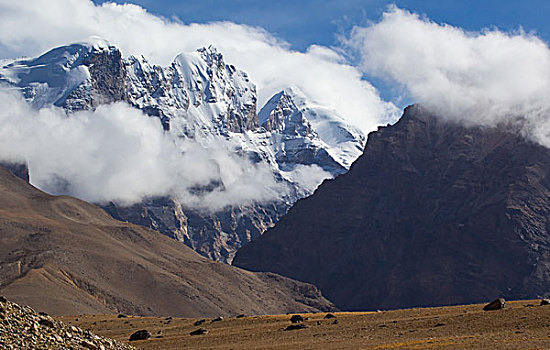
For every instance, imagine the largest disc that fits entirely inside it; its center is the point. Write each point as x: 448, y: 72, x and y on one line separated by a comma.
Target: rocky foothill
x: 23, y: 328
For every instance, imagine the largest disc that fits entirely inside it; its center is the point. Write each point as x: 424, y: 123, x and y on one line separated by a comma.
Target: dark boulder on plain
x: 140, y: 335
x: 297, y: 319
x: 199, y: 331
x: 294, y: 327
x: 496, y: 304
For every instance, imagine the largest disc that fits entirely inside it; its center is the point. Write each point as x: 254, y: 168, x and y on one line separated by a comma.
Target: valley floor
x: 521, y: 325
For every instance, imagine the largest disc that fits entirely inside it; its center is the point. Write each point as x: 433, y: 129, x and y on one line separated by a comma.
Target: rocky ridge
x: 23, y: 328
x: 200, y: 97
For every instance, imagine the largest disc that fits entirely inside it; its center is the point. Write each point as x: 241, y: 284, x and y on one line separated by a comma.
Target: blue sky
x: 306, y: 22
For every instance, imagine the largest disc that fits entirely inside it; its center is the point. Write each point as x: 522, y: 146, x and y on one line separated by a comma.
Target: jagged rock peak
x: 212, y: 56
x: 281, y: 114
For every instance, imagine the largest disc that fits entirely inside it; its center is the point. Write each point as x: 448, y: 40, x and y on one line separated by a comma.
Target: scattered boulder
x: 297, y: 319
x: 240, y: 316
x: 3, y: 300
x: 545, y: 302
x: 335, y: 322
x: 217, y: 319
x: 327, y: 316
x: 199, y: 331
x: 121, y: 316
x: 140, y: 335
x: 295, y: 326
x: 89, y: 345
x: 46, y: 322
x: 199, y: 322
x: 24, y: 328
x: 496, y: 304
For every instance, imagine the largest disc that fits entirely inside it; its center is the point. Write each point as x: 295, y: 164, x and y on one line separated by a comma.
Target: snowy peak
x: 213, y: 59
x: 291, y: 113
x: 51, y: 78
x: 218, y: 89
x: 280, y: 114
x: 345, y: 140
x: 215, y: 96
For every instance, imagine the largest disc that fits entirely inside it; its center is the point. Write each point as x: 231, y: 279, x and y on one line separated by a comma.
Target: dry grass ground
x: 521, y: 325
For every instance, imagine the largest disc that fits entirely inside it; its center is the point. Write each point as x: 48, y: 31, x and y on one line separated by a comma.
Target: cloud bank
x: 116, y: 153
x: 483, y: 77
x: 31, y: 27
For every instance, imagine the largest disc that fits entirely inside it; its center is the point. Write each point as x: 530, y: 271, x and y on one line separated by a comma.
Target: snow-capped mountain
x: 202, y: 98
x: 303, y: 132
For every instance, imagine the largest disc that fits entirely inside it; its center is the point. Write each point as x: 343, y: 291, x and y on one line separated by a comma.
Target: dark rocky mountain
x: 432, y: 213
x: 65, y: 256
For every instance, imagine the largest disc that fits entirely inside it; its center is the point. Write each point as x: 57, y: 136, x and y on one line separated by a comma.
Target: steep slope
x: 65, y: 256
x: 432, y: 213
x: 202, y: 98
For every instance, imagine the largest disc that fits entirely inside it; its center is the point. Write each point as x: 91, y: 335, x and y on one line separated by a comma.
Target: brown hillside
x: 65, y: 256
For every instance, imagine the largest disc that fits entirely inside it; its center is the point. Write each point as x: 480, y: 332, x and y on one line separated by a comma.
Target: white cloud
x: 31, y: 27
x: 482, y: 77
x: 309, y: 176
x: 116, y: 153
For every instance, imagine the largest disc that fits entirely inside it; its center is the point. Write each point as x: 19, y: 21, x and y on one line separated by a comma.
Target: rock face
x: 432, y: 213
x: 23, y: 328
x: 199, y: 97
x: 65, y: 256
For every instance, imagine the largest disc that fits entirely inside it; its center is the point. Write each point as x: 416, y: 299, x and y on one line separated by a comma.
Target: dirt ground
x: 521, y: 325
